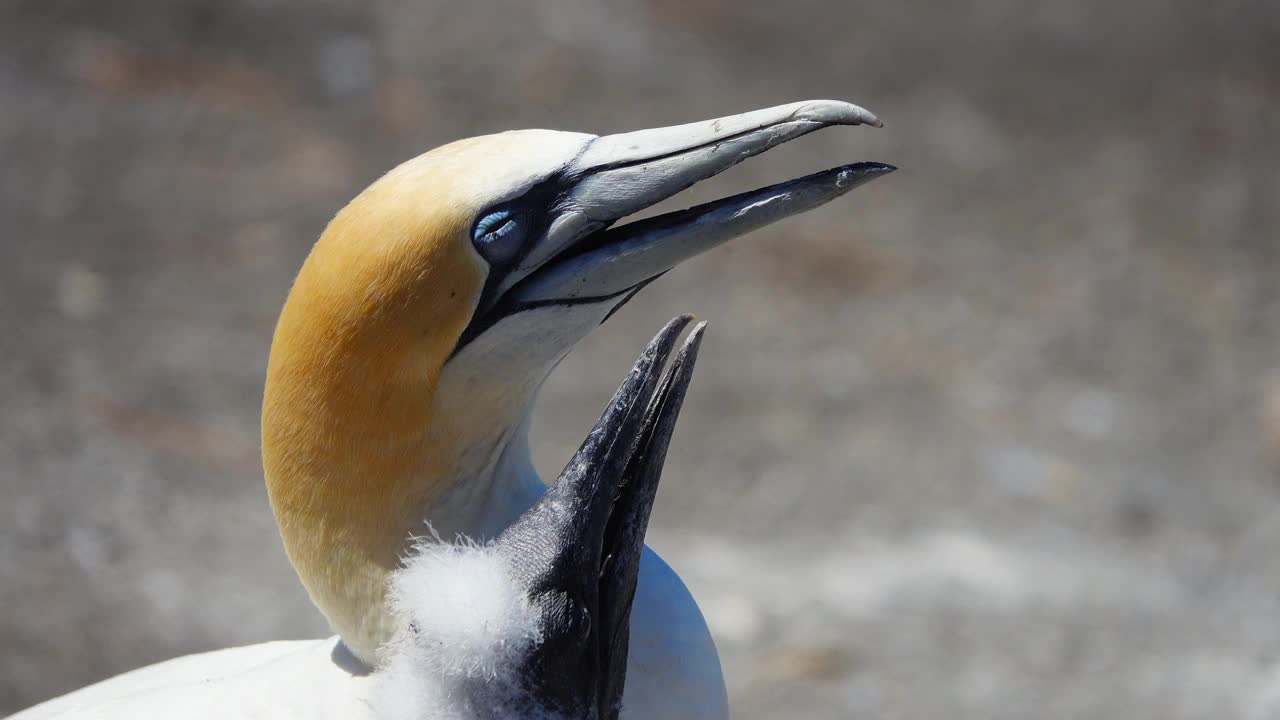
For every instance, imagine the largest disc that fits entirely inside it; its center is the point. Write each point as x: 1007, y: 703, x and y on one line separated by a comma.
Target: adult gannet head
x: 434, y: 305
x: 535, y: 623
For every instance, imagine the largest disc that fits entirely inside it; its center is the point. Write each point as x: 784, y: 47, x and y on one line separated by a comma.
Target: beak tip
x: 692, y: 343
x: 836, y: 112
x: 698, y: 330
x: 848, y: 177
x: 674, y: 327
x: 869, y: 171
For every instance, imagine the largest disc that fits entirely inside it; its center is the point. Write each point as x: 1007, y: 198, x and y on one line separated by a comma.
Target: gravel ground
x: 995, y: 437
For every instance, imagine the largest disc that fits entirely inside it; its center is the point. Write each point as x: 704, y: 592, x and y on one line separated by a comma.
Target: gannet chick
x: 536, y: 623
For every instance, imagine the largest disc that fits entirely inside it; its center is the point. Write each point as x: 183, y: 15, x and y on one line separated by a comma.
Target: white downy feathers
x: 465, y: 626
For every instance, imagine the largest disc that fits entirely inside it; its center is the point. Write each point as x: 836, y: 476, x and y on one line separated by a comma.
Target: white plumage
x: 465, y: 626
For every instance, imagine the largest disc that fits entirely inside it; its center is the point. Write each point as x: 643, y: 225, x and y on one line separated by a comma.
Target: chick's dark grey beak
x: 578, y: 549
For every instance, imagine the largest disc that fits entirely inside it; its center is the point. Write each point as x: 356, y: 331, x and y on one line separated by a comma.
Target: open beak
x: 579, y: 258
x: 578, y: 549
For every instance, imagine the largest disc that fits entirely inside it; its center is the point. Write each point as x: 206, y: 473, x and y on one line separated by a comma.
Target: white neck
x: 484, y: 400
x: 491, y: 496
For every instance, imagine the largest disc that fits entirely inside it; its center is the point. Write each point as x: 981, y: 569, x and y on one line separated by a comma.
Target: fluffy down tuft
x: 465, y: 626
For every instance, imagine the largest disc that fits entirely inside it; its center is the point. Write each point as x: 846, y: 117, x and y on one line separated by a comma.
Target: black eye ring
x: 499, y: 237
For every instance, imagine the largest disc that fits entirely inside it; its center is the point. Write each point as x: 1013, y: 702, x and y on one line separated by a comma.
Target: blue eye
x: 499, y: 236
x: 491, y: 222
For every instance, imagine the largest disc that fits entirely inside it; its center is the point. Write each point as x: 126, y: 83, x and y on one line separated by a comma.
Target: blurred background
x: 997, y: 436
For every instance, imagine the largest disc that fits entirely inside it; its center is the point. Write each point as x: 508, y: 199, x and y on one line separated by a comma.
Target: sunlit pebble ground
x: 995, y: 437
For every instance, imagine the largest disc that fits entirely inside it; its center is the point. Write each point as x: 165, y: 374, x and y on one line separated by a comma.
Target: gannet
x: 405, y: 365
